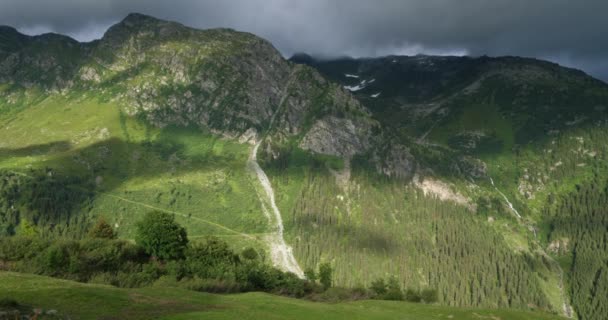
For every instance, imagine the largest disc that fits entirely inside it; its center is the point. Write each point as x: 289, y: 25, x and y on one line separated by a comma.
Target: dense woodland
x: 579, y: 233
x: 390, y: 229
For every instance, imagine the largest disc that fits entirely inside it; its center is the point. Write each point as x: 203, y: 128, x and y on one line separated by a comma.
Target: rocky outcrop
x: 397, y: 162
x: 230, y: 83
x: 337, y: 137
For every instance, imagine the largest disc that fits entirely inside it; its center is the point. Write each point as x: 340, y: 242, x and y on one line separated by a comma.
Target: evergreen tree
x: 102, y: 230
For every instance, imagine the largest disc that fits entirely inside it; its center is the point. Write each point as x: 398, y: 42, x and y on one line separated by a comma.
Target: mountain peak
x: 138, y: 18
x: 135, y: 23
x: 8, y: 29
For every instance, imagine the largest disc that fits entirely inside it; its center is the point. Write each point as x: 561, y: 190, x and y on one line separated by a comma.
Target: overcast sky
x: 570, y: 32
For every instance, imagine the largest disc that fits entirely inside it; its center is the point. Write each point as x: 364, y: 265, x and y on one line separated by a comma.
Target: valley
x: 480, y: 179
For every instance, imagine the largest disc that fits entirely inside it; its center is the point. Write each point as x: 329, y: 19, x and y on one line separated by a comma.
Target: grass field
x: 200, y: 178
x: 86, y: 301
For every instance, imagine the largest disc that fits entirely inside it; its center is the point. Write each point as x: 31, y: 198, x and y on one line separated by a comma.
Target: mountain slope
x: 538, y: 128
x: 159, y: 116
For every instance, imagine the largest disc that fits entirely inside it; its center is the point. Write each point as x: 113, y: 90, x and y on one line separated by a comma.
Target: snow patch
x: 351, y: 76
x: 376, y: 95
x: 362, y: 85
x: 354, y: 88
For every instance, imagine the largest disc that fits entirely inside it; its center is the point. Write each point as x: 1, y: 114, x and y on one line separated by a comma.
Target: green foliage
x: 325, y: 275
x: 43, y: 202
x: 83, y: 301
x: 161, y: 236
x: 250, y: 254
x: 378, y: 286
x: 428, y: 295
x: 578, y: 222
x: 211, y: 259
x: 393, y: 290
x: 207, y: 266
x: 362, y: 232
x: 103, y: 230
x: 310, y: 274
x: 412, y: 295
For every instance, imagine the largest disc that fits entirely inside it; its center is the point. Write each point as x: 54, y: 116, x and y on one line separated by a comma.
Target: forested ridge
x: 579, y: 235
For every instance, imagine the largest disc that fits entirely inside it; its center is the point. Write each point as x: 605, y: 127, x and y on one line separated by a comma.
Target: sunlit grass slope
x: 137, y: 168
x: 86, y: 301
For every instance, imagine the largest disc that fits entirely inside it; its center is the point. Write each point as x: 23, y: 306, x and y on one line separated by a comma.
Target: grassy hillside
x: 85, y: 301
x: 132, y: 168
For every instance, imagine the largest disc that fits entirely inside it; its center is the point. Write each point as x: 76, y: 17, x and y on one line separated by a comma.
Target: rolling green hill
x: 86, y: 301
x: 449, y: 173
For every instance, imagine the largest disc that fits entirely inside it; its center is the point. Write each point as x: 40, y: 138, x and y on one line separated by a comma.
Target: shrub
x: 250, y: 254
x: 379, y: 287
x: 161, y: 236
x: 102, y: 230
x: 412, y: 296
x: 211, y: 285
x: 211, y: 259
x: 19, y: 247
x: 310, y: 275
x: 429, y: 295
x: 336, y: 294
x: 393, y: 290
x: 104, y: 278
x: 325, y: 275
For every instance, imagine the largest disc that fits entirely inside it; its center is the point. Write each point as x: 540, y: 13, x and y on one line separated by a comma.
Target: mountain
x: 537, y: 127
x: 482, y: 178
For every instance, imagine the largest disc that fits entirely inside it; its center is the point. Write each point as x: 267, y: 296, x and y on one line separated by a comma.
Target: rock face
x: 397, y: 163
x: 230, y: 83
x: 338, y: 137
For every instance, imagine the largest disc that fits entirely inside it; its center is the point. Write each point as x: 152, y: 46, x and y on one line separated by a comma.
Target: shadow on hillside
x: 36, y: 149
x: 64, y: 186
x: 362, y: 237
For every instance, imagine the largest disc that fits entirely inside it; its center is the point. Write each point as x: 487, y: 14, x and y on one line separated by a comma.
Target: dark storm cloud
x: 574, y: 33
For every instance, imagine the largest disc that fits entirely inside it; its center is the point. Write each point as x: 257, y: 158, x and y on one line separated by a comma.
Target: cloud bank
x: 573, y: 33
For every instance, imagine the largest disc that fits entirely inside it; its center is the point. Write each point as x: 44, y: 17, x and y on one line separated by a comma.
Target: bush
x: 378, y: 287
x: 211, y: 285
x: 429, y: 295
x: 310, y: 274
x: 20, y: 248
x: 104, y: 278
x: 161, y: 236
x: 393, y: 291
x: 341, y: 294
x: 250, y: 254
x: 211, y: 259
x: 325, y: 275
x: 412, y: 296
x: 102, y: 230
